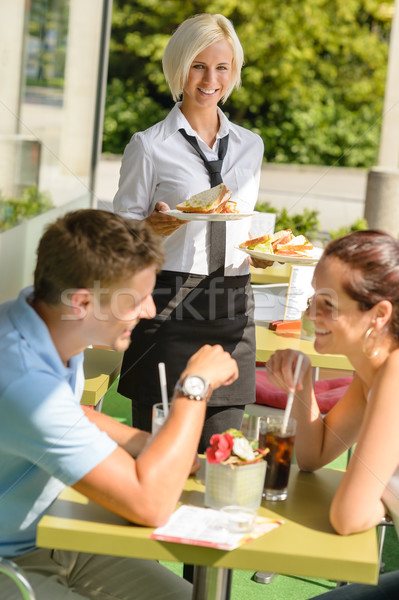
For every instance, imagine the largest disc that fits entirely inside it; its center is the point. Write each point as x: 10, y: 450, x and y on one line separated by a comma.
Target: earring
x: 365, y: 350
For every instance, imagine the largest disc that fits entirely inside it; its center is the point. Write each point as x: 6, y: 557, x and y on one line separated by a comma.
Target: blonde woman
x: 203, y: 293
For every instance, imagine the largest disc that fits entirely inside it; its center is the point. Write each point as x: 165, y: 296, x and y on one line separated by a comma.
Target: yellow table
x: 275, y: 274
x: 101, y: 368
x: 305, y: 546
x: 267, y: 342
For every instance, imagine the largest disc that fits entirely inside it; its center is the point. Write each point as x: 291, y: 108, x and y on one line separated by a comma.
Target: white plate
x: 294, y: 260
x: 207, y: 216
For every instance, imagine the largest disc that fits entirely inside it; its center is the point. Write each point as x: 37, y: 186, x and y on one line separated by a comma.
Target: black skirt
x: 192, y: 310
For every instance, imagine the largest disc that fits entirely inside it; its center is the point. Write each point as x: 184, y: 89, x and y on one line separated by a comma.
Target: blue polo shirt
x: 46, y: 441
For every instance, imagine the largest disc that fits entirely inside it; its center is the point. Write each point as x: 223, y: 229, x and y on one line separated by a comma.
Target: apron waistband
x: 192, y: 280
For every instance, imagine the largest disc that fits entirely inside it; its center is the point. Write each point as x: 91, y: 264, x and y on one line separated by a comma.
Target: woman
x: 197, y: 298
x: 355, y: 310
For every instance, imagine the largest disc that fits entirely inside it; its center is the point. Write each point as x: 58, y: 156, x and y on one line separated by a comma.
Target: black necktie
x: 217, y: 230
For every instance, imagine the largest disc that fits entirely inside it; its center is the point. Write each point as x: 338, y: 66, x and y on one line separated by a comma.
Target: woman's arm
x: 136, y: 191
x: 357, y: 504
x: 318, y: 440
x: 137, y: 182
x: 321, y: 439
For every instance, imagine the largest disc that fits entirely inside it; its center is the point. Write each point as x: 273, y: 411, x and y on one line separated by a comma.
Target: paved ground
x: 337, y: 193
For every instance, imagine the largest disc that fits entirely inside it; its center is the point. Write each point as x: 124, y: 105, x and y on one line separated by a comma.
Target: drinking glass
x: 158, y: 417
x: 280, y: 446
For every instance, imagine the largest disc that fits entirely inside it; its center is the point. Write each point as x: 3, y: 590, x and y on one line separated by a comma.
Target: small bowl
x: 238, y: 519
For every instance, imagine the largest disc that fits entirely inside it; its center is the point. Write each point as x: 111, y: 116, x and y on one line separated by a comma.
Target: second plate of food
x: 311, y: 259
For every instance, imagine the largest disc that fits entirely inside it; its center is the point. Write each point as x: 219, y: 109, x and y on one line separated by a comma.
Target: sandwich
x: 299, y: 245
x: 281, y: 243
x: 230, y: 207
x: 268, y: 243
x: 212, y: 200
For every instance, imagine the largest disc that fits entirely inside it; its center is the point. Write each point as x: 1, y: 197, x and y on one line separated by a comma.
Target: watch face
x: 193, y: 385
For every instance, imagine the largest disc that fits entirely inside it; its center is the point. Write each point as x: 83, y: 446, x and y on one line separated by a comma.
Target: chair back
x: 10, y: 569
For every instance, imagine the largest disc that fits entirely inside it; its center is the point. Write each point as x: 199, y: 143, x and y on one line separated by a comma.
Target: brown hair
x: 372, y: 258
x: 88, y: 246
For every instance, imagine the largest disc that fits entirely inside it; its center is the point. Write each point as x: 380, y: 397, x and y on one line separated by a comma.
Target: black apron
x: 214, y: 310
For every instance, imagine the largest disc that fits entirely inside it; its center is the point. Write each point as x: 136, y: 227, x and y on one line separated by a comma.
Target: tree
x: 313, y: 80
x: 48, y: 29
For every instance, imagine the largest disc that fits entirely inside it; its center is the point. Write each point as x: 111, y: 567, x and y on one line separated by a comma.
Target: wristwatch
x: 194, y: 387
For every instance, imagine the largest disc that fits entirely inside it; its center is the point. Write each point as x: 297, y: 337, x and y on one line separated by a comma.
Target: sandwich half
x: 282, y: 243
x: 268, y: 243
x: 208, y: 201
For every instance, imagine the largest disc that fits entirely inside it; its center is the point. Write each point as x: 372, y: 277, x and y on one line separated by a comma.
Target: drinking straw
x: 290, y: 397
x: 164, y: 388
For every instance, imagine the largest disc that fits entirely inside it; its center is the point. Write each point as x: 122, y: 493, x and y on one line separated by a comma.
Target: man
x: 93, y: 281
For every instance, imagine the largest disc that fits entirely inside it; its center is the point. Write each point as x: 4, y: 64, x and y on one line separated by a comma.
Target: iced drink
x: 280, y: 446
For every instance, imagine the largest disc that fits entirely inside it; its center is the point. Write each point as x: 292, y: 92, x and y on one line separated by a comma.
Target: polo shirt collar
x: 34, y: 331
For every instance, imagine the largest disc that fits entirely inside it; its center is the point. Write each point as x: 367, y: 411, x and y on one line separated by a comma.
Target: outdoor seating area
x: 270, y: 400
x: 282, y: 587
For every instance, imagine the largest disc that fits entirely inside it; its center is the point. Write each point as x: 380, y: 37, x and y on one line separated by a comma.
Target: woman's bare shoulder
x: 387, y: 376
x: 391, y: 365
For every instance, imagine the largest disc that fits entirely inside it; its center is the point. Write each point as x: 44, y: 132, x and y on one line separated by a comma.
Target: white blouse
x: 160, y: 165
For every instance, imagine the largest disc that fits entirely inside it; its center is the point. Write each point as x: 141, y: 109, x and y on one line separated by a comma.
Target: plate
x: 208, y: 216
x: 294, y: 260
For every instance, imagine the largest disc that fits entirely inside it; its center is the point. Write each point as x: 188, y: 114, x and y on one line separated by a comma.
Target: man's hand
x: 161, y: 223
x: 196, y: 465
x: 214, y: 364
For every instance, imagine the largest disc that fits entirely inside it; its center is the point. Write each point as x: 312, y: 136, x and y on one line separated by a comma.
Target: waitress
x: 203, y: 294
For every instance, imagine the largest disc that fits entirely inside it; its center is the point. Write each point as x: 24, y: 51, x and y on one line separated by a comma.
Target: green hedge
x: 313, y: 79
x: 32, y: 202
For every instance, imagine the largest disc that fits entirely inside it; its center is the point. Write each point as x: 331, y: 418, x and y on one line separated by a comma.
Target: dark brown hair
x: 372, y: 258
x: 88, y: 246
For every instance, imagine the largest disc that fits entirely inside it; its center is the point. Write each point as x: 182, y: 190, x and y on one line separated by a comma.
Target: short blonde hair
x: 192, y: 37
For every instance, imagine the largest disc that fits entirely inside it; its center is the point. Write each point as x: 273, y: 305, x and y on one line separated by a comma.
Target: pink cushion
x: 328, y: 392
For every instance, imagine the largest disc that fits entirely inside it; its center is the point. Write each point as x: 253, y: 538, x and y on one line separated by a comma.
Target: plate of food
x: 283, y: 247
x: 213, y: 204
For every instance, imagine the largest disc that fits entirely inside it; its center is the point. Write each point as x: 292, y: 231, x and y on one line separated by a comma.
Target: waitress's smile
x: 207, y: 92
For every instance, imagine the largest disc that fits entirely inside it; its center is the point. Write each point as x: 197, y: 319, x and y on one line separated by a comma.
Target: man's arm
x: 131, y: 439
x: 146, y: 490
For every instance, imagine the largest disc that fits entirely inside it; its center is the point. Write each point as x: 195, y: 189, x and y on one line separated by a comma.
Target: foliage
x: 307, y: 223
x: 125, y: 107
x: 358, y: 225
x: 313, y: 82
x: 304, y: 223
x: 15, y: 210
x: 46, y: 50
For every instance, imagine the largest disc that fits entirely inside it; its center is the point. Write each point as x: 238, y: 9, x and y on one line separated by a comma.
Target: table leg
x: 211, y: 583
x: 99, y: 406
